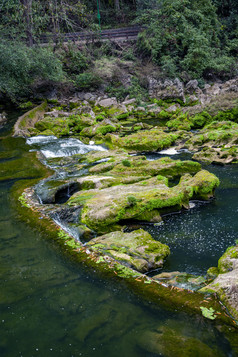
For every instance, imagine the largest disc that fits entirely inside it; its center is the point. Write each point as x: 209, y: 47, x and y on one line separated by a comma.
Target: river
x: 51, y: 306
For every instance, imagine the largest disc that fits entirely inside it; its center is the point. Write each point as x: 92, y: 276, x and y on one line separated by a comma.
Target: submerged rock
x: 169, y: 342
x: 181, y: 280
x: 137, y: 250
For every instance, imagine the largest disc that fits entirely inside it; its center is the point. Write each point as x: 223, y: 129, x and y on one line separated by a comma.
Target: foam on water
x: 41, y: 139
x: 51, y: 147
x: 170, y: 151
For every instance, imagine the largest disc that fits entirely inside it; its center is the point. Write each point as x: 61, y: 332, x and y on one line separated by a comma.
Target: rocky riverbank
x: 101, y: 192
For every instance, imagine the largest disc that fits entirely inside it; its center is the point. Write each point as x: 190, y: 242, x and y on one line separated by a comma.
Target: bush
x: 87, y: 80
x: 74, y: 61
x: 21, y: 67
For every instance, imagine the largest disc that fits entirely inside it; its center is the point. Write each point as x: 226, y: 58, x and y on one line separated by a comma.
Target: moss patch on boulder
x: 225, y: 284
x: 147, y: 140
x: 104, y: 209
x: 137, y: 249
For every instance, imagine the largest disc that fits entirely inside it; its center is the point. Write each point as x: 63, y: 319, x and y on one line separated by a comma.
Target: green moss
x: 122, y: 116
x: 80, y: 200
x: 126, y: 163
x: 106, y: 129
x: 201, y: 119
x: 225, y: 263
x: 212, y: 272
x: 147, y: 140
x: 27, y: 120
x: 99, y: 117
x: 208, y: 313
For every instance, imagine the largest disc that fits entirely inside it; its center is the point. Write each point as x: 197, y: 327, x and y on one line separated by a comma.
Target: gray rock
x: 191, y: 86
x: 140, y: 109
x: 129, y: 101
x: 108, y: 102
x: 168, y: 89
x: 172, y: 108
x: 88, y: 96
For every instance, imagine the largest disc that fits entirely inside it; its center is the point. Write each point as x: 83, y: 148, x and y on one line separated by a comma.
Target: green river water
x: 51, y: 306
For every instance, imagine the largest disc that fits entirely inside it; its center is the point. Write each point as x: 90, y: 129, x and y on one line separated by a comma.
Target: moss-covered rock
x: 215, y: 134
x: 137, y: 250
x: 181, y: 280
x: 147, y: 140
x: 105, y: 208
x: 225, y: 284
x: 124, y: 166
x: 218, y: 155
x: 102, y: 128
x: 168, y: 342
x: 59, y: 126
x: 29, y: 119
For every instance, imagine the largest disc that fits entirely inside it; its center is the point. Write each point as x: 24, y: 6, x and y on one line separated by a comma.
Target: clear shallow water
x: 198, y: 237
x: 52, y: 307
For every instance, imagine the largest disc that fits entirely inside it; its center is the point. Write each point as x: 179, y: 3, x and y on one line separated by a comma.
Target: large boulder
x: 147, y: 140
x: 216, y: 143
x: 137, y: 250
x: 103, y: 210
x: 225, y: 285
x: 168, y: 89
x: 108, y: 102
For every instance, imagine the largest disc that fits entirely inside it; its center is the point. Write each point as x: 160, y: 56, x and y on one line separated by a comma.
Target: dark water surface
x: 52, y: 307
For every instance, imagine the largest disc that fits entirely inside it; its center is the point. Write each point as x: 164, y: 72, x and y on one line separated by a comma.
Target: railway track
x: 123, y: 34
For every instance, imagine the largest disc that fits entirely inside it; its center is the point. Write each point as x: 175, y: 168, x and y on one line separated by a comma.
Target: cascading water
x: 51, y: 147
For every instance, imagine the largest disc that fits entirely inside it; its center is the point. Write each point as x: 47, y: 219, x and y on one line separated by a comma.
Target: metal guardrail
x: 127, y: 32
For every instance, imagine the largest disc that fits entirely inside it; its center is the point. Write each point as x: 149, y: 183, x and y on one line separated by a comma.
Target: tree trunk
x: 117, y: 6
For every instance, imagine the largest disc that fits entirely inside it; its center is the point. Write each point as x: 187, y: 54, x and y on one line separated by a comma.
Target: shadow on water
x: 53, y: 307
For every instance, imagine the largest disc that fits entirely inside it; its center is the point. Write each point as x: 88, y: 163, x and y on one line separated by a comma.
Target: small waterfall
x: 51, y: 147
x: 170, y: 151
x: 68, y: 229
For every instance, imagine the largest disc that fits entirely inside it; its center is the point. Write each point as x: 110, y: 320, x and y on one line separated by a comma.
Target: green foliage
x: 74, y: 60
x: 126, y: 163
x: 201, y: 119
x: 185, y: 36
x: 22, y: 199
x: 22, y: 67
x: 63, y: 235
x: 26, y: 105
x: 132, y: 200
x: 231, y: 114
x: 135, y: 90
x: 87, y: 80
x: 208, y: 313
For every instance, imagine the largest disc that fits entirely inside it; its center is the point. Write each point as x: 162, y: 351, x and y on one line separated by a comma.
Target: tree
x: 185, y: 35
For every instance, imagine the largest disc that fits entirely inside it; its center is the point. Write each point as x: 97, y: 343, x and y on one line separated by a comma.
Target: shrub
x: 21, y: 67
x: 126, y: 163
x: 87, y: 80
